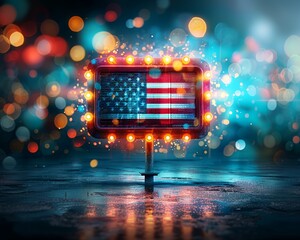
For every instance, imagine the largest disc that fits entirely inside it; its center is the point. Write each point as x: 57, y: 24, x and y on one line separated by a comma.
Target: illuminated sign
x: 138, y: 96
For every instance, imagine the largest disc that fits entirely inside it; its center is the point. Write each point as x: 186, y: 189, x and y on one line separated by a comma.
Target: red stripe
x: 168, y: 100
x: 168, y: 122
x: 173, y: 77
x: 171, y: 111
x: 171, y: 90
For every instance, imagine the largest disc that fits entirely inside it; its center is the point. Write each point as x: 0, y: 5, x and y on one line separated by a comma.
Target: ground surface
x: 192, y: 199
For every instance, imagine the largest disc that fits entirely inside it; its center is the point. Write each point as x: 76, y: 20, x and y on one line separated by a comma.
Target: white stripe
x: 169, y: 85
x: 174, y: 105
x: 147, y: 116
x: 172, y: 95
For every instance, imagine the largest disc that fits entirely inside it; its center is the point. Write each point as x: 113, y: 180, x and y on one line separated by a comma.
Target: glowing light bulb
x: 111, y: 137
x: 88, y: 116
x: 130, y: 137
x: 148, y: 59
x: 207, y: 95
x: 130, y: 59
x: 88, y: 95
x: 186, y: 137
x: 208, y: 116
x: 149, y: 137
x: 207, y: 75
x: 168, y: 137
x: 186, y: 60
x: 88, y: 75
x: 111, y: 60
x: 167, y: 59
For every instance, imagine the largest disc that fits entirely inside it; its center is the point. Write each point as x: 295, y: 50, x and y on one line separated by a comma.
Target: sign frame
x: 119, y: 65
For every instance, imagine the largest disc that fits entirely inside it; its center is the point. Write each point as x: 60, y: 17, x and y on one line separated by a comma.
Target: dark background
x: 266, y: 132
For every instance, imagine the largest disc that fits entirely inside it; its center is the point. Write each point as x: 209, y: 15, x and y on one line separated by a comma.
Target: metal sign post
x: 149, y: 174
x: 146, y: 98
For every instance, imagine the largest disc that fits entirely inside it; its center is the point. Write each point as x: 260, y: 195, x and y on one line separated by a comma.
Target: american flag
x: 166, y: 99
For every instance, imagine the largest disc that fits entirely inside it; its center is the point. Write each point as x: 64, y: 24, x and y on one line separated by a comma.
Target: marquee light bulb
x: 130, y: 137
x: 186, y: 137
x: 88, y: 95
x: 148, y: 59
x: 207, y: 95
x: 167, y: 59
x: 111, y: 60
x: 149, y: 137
x: 186, y: 60
x: 208, y: 116
x: 111, y: 137
x: 88, y: 75
x: 130, y: 59
x: 207, y: 75
x: 168, y: 138
x: 88, y: 116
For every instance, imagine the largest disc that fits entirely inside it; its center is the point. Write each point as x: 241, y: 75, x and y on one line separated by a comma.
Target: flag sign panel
x: 140, y: 98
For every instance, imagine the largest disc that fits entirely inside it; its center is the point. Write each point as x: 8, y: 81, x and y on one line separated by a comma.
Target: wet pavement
x: 192, y: 199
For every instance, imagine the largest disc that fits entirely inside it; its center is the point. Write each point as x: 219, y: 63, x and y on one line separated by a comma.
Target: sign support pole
x: 149, y: 174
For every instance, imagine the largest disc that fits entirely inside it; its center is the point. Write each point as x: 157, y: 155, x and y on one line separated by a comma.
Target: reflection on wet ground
x: 191, y: 200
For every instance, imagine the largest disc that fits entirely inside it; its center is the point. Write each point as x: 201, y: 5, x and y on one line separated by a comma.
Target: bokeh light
x: 77, y: 53
x: 104, y: 42
x: 49, y: 27
x: 94, y: 163
x: 31, y: 56
x: 69, y: 110
x: 4, y: 44
x: 32, y: 147
x: 8, y: 14
x: 177, y: 37
x: 240, y: 144
x: 197, y: 27
x: 9, y: 163
x: 60, y: 121
x: 16, y: 39
x: 110, y: 16
x: 138, y: 22
x: 72, y: 133
x: 76, y: 24
x: 53, y: 89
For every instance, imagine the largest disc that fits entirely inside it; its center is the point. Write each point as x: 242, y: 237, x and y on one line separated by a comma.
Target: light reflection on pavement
x: 208, y: 199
